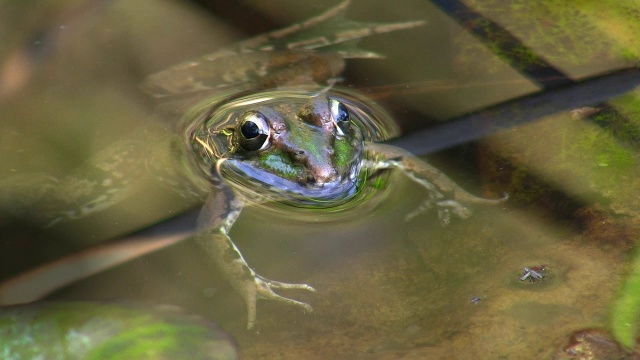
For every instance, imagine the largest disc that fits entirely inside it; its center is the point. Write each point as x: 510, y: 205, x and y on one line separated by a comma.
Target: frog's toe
x: 423, y: 208
x: 263, y: 289
x: 456, y: 208
x: 445, y: 208
x: 265, y: 286
x: 272, y: 284
x: 472, y: 199
x: 445, y: 216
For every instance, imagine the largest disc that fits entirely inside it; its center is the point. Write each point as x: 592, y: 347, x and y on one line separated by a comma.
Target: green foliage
x: 626, y: 309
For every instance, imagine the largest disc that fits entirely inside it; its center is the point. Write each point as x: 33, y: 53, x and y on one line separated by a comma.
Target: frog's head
x: 299, y: 146
x: 311, y: 143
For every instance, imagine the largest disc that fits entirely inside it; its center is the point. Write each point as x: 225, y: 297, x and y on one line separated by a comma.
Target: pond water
x: 387, y: 287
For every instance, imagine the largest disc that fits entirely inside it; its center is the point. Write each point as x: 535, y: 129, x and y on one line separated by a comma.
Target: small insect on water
x: 534, y: 273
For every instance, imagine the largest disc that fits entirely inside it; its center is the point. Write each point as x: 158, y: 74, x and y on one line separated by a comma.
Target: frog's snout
x: 323, y: 175
x: 319, y: 168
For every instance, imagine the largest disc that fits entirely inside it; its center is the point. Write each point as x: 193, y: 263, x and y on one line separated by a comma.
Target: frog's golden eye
x: 340, y: 116
x: 254, y: 132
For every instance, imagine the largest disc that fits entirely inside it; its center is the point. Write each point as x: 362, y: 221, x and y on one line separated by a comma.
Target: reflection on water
x: 387, y: 288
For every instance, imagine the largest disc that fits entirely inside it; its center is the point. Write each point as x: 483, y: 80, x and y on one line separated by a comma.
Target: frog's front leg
x: 443, y: 193
x: 220, y: 211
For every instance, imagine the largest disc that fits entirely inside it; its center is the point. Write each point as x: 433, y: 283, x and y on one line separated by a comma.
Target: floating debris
x: 534, y: 273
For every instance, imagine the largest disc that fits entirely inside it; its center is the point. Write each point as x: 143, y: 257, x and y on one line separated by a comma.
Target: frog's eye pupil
x: 250, y: 130
x: 339, y: 115
x: 254, y: 131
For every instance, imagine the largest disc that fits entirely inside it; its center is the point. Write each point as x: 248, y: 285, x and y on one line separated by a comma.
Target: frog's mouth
x: 245, y: 177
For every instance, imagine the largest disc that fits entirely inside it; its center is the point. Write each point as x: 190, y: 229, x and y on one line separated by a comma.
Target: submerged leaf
x: 86, y: 330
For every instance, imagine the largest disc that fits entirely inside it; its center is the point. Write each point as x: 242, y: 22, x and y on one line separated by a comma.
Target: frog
x: 301, y: 148
x: 264, y: 122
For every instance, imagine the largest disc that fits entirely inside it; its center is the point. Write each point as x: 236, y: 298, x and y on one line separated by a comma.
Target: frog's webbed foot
x: 216, y: 218
x: 263, y: 288
x: 446, y: 207
x: 445, y: 195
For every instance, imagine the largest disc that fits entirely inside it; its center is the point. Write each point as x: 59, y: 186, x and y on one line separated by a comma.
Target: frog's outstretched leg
x: 310, y: 52
x: 444, y: 194
x: 220, y: 211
